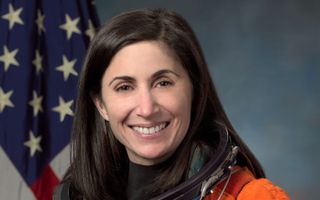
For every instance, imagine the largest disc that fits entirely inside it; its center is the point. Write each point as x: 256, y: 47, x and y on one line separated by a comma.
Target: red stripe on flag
x: 43, y: 188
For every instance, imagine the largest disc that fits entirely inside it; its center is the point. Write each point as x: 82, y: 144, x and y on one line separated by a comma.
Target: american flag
x: 42, y: 46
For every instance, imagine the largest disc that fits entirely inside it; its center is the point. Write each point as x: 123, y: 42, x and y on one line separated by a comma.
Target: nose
x: 147, y: 104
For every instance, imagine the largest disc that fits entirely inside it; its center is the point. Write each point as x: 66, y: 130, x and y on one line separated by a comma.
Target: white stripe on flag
x: 61, y: 162
x: 12, y: 186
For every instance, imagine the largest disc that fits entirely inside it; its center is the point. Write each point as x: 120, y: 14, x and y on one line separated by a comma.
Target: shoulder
x: 262, y: 189
x: 61, y: 192
x: 244, y: 186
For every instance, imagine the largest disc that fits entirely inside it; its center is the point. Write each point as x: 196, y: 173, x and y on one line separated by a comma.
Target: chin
x: 147, y: 158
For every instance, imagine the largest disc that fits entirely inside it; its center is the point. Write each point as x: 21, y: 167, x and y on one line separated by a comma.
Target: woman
x: 149, y: 124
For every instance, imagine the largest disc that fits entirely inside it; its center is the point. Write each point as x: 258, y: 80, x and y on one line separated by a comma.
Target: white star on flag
x: 39, y: 22
x: 64, y: 108
x: 67, y: 68
x: 5, y: 99
x: 33, y: 143
x: 70, y: 26
x: 36, y: 103
x: 13, y: 16
x: 8, y: 58
x: 90, y: 31
x: 37, y: 62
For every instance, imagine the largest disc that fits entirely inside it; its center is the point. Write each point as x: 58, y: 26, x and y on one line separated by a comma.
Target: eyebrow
x: 164, y: 71
x: 156, y: 74
x: 125, y: 78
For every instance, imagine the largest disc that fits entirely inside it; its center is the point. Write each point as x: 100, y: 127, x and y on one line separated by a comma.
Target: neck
x: 140, y: 178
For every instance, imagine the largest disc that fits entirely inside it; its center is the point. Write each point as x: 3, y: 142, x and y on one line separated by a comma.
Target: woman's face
x: 146, y: 97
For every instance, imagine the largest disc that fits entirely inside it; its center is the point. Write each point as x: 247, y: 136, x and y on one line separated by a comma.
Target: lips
x: 150, y: 130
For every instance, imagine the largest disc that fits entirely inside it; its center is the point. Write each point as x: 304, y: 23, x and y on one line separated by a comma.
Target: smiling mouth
x: 150, y: 130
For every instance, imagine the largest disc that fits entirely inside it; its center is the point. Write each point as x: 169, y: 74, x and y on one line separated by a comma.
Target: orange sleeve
x: 262, y: 189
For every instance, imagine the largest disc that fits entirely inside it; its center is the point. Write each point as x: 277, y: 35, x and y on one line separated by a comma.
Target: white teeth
x: 151, y: 130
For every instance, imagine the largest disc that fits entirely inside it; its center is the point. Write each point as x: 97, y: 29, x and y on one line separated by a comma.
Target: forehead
x: 143, y: 57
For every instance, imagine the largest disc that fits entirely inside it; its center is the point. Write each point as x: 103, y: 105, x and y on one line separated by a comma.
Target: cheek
x: 117, y: 111
x: 183, y: 101
x: 117, y: 108
x: 179, y: 105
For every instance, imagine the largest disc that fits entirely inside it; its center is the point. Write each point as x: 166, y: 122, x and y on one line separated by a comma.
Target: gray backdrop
x: 264, y: 58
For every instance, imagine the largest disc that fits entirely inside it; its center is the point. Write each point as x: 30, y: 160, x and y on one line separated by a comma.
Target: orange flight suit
x: 244, y: 186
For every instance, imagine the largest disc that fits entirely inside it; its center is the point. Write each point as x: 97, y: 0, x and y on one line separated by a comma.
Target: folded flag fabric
x: 42, y: 47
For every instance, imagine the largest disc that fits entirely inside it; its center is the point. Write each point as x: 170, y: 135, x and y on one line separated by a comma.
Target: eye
x: 164, y: 83
x: 124, y: 88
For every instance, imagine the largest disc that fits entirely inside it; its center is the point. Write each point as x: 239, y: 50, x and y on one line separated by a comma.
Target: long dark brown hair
x: 99, y: 165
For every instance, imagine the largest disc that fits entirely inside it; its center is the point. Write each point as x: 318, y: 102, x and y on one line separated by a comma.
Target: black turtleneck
x: 140, y: 177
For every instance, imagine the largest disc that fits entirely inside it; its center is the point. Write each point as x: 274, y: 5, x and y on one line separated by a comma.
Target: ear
x: 101, y: 107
